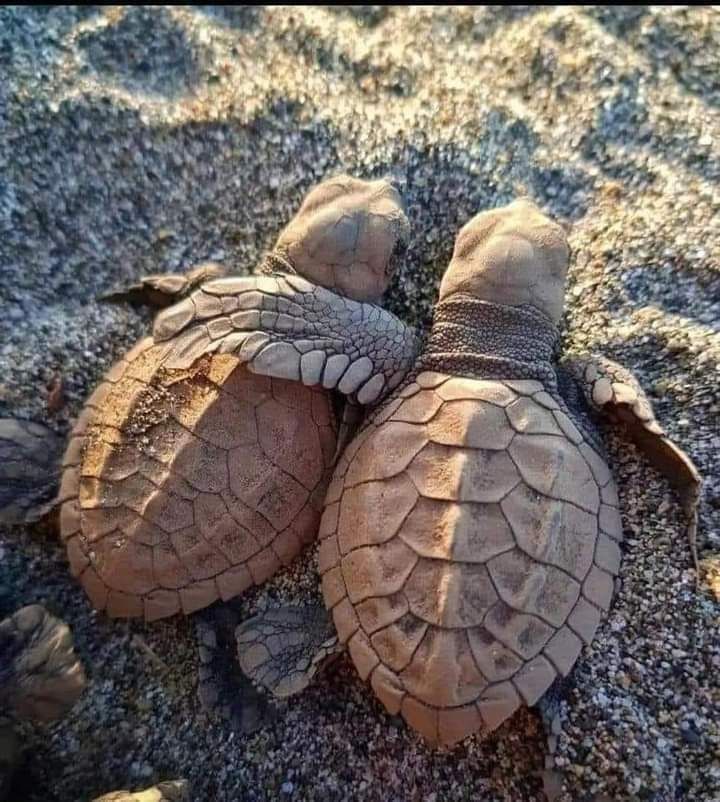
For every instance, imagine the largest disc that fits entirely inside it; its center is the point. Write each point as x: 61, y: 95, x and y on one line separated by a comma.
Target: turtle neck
x: 471, y: 337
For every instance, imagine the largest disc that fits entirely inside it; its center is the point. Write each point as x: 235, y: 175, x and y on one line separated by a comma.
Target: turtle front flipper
x: 164, y: 289
x: 29, y: 470
x: 310, y: 315
x: 288, y: 328
x: 283, y: 648
x: 222, y: 689
x: 612, y: 390
x: 41, y: 677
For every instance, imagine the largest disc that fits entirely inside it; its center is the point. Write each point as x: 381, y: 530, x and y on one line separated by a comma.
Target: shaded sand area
x: 145, y: 140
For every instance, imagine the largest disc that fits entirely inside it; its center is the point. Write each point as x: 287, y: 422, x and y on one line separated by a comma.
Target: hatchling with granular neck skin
x: 471, y: 533
x: 188, y: 480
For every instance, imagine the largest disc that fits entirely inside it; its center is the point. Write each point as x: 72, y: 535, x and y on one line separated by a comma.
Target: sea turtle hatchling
x: 41, y: 678
x: 182, y: 486
x: 471, y: 533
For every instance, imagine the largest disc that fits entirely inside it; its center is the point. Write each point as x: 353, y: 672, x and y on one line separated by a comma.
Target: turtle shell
x: 468, y: 548
x: 182, y: 487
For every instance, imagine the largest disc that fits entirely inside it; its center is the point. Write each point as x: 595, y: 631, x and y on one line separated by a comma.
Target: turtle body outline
x: 184, y: 487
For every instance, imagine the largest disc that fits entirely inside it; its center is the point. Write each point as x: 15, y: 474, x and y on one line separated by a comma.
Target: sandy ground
x: 144, y: 140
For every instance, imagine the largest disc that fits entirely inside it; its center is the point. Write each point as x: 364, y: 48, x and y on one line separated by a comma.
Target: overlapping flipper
x: 288, y: 328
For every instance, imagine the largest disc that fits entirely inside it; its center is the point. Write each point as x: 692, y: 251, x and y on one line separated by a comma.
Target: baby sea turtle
x: 187, y: 480
x: 41, y: 678
x: 471, y: 533
x: 182, y: 487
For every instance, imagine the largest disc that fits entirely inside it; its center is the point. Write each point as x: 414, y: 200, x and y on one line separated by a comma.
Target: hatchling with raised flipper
x: 471, y: 533
x: 183, y: 486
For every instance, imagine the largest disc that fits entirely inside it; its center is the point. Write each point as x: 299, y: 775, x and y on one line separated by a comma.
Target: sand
x: 146, y: 140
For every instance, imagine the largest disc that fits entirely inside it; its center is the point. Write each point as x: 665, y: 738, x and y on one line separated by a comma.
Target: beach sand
x: 142, y: 140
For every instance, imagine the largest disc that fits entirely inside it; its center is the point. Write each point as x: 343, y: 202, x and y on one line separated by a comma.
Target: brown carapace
x: 184, y: 487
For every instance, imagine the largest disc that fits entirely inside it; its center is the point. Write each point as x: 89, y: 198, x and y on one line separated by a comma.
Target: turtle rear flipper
x: 163, y: 289
x: 549, y: 706
x: 283, y: 648
x: 41, y: 677
x: 29, y: 470
x: 222, y: 689
x: 611, y: 389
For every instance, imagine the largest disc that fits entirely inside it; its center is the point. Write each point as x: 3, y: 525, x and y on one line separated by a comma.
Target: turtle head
x: 347, y: 236
x: 513, y: 255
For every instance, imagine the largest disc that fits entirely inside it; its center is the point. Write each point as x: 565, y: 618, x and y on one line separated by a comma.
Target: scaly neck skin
x: 470, y: 337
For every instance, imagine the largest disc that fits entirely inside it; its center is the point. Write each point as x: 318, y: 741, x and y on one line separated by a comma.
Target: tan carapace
x: 184, y: 486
